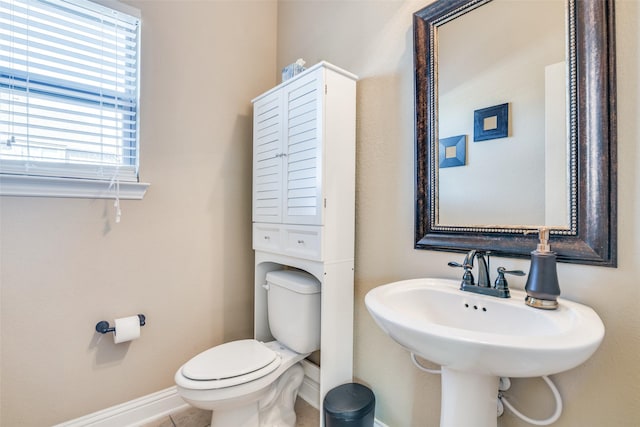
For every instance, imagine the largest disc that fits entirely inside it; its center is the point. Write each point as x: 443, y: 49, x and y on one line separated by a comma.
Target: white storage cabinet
x: 304, y: 204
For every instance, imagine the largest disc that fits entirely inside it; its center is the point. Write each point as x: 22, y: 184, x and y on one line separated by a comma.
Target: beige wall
x: 374, y: 40
x: 182, y: 256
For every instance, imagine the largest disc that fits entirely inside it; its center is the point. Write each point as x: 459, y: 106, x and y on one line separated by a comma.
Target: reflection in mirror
x: 520, y: 179
x: 516, y: 127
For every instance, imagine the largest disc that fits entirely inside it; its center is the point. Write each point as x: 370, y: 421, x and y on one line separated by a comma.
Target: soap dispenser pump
x: 542, y: 284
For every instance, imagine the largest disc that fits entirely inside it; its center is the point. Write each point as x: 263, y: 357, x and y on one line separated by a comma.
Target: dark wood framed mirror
x: 589, y: 234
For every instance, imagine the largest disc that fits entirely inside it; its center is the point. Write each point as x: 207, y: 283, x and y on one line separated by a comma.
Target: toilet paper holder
x: 103, y: 326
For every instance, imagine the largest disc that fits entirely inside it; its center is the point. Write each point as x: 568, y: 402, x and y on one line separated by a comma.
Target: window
x: 68, y: 98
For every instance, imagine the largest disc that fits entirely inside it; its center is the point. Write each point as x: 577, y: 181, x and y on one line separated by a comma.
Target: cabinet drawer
x: 267, y: 237
x: 303, y: 242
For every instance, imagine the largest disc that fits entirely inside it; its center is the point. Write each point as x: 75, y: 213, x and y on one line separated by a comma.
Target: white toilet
x: 248, y: 383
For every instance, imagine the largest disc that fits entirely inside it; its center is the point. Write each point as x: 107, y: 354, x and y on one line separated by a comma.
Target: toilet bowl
x: 250, y: 399
x: 248, y: 383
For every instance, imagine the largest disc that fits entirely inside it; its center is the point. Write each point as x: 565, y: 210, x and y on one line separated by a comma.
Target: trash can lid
x: 350, y: 401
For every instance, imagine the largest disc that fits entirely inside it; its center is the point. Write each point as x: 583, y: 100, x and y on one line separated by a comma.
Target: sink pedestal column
x: 468, y: 399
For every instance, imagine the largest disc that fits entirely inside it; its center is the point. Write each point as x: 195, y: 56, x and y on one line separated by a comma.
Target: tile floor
x: 307, y: 416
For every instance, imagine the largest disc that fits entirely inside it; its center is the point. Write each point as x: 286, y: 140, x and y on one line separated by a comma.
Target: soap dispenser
x: 542, y: 284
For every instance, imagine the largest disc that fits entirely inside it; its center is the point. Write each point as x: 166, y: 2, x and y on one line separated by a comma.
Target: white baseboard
x: 134, y: 413
x: 154, y: 406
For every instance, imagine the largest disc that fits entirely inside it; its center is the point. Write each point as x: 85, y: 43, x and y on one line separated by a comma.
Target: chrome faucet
x: 499, y: 289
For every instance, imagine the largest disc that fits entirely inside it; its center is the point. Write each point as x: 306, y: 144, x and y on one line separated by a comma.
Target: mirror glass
x: 516, y: 127
x: 496, y: 54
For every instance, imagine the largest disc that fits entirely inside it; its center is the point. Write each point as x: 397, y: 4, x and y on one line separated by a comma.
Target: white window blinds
x: 68, y: 90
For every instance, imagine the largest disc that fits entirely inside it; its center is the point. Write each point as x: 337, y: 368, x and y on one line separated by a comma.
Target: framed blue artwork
x: 491, y: 123
x: 452, y: 151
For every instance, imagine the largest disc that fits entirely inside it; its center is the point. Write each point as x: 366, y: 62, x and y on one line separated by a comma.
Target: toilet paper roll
x: 127, y: 329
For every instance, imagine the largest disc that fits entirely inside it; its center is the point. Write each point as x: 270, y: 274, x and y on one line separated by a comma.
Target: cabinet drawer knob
x: 266, y: 237
x: 300, y: 242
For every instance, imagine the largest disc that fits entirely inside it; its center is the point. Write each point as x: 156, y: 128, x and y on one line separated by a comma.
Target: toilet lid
x: 232, y: 359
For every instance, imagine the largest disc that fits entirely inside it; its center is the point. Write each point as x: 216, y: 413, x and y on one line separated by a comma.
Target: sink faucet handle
x: 457, y: 264
x: 512, y: 272
x: 501, y: 282
x: 467, y: 277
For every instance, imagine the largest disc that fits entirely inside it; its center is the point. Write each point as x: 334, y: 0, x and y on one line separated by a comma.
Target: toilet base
x: 243, y: 416
x: 274, y: 409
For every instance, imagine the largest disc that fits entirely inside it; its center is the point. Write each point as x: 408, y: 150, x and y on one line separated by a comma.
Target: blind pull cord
x: 116, y: 204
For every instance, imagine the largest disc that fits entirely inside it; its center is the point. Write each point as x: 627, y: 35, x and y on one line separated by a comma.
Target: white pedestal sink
x: 477, y: 339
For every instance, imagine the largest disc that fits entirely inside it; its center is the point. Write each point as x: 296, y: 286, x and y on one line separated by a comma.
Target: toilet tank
x: 293, y: 307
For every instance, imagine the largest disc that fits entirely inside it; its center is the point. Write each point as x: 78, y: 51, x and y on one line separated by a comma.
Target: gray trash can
x: 349, y: 405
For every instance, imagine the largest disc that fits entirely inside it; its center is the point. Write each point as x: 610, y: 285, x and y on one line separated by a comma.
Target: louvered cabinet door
x: 302, y: 100
x: 268, y: 152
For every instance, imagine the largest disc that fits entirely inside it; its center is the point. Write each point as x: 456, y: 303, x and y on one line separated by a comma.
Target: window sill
x: 35, y: 186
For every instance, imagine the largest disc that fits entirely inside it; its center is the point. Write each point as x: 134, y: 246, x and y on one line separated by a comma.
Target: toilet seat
x: 230, y: 364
